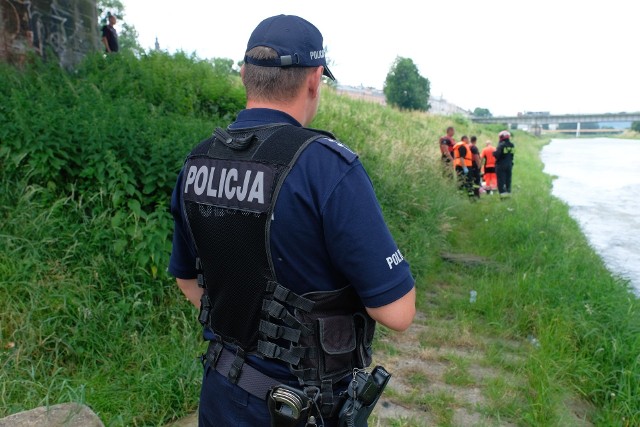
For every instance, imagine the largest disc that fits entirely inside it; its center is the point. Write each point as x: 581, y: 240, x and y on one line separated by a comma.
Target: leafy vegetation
x: 405, y: 88
x: 482, y: 112
x: 87, y: 163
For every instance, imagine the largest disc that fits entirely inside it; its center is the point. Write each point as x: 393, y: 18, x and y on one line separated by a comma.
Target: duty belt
x: 251, y: 380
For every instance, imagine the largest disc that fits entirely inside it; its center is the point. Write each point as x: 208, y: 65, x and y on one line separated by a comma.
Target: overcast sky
x: 562, y: 56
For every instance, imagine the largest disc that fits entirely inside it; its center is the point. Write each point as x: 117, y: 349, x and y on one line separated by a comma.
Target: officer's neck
x: 297, y: 108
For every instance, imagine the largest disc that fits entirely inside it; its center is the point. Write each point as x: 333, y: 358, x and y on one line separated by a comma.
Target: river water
x: 599, y: 178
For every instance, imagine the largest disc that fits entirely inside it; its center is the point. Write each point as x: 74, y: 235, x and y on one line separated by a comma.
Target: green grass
x: 85, y: 325
x: 439, y: 405
x: 458, y: 372
x: 87, y: 163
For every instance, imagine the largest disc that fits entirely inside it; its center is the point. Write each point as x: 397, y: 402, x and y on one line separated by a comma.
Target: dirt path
x: 445, y: 376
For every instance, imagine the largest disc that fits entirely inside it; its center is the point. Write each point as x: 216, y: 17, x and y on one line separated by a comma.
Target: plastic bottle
x: 534, y: 341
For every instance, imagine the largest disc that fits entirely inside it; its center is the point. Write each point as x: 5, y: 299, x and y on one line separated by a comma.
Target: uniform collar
x: 261, y: 116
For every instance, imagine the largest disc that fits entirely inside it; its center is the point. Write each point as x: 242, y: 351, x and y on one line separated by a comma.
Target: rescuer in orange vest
x: 489, y: 168
x: 462, y: 162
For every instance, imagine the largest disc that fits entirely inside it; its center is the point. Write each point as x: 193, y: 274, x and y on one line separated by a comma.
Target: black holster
x: 363, y: 394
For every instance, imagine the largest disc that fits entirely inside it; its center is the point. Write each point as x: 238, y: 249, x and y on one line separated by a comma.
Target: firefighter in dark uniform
x: 504, y: 163
x: 280, y: 242
x: 476, y: 166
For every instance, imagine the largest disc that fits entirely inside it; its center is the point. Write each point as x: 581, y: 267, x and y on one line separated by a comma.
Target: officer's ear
x: 313, y: 81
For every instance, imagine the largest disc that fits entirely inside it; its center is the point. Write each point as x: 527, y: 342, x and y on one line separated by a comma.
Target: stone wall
x: 66, y: 29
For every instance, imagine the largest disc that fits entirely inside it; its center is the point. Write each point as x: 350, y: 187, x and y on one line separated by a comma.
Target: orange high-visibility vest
x: 468, y: 158
x: 487, y: 153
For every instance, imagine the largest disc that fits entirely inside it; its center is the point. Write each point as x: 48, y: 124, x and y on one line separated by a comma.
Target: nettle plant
x: 117, y: 128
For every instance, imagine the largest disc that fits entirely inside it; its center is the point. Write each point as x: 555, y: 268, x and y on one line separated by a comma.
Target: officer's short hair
x: 272, y: 83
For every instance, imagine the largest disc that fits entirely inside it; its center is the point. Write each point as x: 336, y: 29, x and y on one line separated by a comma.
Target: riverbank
x: 572, y: 331
x: 87, y: 165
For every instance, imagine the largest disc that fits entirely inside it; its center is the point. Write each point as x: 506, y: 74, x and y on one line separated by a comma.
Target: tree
x: 482, y: 112
x: 405, y: 88
x: 128, y: 35
x: 635, y: 126
x: 225, y: 66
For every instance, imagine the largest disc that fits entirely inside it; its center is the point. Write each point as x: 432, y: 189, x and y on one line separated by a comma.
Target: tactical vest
x: 230, y: 186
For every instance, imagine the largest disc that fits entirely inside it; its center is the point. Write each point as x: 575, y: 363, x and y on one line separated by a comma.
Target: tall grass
x: 87, y: 163
x: 552, y: 286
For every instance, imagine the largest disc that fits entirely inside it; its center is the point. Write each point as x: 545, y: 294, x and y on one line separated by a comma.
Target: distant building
x: 438, y: 104
x: 441, y: 106
x: 365, y: 93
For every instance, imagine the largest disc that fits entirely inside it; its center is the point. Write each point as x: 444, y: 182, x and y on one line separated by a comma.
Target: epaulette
x: 345, y: 152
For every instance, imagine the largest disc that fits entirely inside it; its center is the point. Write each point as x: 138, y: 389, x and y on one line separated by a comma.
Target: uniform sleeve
x: 360, y: 243
x: 498, y: 153
x: 183, y: 258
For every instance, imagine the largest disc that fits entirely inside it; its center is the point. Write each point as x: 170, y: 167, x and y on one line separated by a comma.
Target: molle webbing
x: 232, y: 235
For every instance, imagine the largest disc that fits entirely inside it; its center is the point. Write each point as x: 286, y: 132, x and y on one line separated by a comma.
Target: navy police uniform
x: 327, y: 231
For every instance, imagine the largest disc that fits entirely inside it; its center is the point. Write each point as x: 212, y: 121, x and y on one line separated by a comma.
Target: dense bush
x: 119, y: 126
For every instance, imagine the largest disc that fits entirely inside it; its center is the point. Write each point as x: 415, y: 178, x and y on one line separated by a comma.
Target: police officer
x: 504, y: 163
x: 280, y: 242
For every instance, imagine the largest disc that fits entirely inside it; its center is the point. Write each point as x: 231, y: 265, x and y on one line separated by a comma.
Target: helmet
x: 504, y: 135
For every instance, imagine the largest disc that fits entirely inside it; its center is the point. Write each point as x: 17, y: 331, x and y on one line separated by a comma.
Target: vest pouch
x: 337, y: 336
x: 365, y: 328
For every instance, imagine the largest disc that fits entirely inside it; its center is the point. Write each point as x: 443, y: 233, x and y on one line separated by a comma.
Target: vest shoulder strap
x: 290, y: 141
